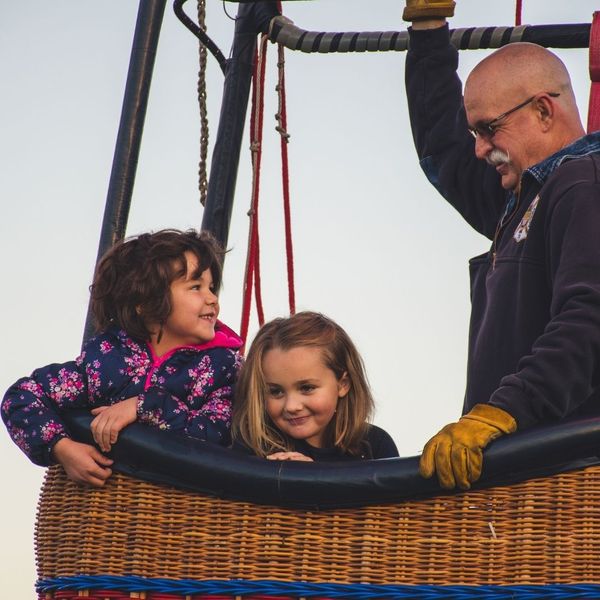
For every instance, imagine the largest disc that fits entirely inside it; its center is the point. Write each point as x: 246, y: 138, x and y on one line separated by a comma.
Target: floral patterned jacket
x: 189, y: 389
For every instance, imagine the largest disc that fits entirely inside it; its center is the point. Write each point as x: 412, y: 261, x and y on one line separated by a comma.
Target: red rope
x: 252, y: 275
x: 593, y: 122
x: 252, y: 278
x: 289, y: 247
x: 518, y: 12
x: 249, y: 270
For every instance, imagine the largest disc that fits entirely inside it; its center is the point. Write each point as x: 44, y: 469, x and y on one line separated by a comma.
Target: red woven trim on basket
x: 116, y: 595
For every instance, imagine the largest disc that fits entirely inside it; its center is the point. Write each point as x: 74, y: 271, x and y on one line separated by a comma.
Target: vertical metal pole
x: 252, y: 18
x: 129, y: 137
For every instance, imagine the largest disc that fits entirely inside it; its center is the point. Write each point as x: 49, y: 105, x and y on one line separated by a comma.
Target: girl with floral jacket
x: 161, y: 357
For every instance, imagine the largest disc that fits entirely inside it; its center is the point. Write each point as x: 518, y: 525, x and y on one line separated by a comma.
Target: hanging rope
x: 281, y: 128
x: 202, y: 176
x: 518, y: 12
x: 593, y: 122
x: 252, y: 275
x: 252, y: 278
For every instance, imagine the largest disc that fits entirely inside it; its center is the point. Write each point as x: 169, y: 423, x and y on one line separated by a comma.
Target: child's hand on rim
x: 110, y: 420
x: 289, y: 456
x: 82, y: 463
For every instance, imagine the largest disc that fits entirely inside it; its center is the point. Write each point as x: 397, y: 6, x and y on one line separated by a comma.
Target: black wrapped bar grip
x: 570, y: 35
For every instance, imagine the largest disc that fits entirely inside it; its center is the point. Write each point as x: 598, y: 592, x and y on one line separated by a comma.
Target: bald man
x: 513, y: 158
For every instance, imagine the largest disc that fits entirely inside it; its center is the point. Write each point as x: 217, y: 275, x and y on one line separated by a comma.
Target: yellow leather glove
x: 417, y: 10
x: 455, y: 453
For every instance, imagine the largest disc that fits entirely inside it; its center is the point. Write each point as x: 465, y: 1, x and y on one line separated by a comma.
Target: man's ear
x: 545, y: 110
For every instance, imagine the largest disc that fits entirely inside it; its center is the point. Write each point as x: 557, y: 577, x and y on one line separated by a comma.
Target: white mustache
x: 497, y: 157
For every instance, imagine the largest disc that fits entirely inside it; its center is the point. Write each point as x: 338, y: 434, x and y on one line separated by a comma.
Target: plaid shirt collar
x: 588, y: 144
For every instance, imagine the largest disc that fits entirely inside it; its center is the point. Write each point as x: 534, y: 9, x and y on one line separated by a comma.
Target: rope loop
x: 252, y: 277
x: 252, y: 271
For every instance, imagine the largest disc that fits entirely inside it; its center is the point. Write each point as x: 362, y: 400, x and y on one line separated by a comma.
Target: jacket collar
x: 588, y: 144
x: 224, y: 338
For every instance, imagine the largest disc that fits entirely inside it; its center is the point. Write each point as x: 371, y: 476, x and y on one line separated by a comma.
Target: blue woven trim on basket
x: 359, y: 591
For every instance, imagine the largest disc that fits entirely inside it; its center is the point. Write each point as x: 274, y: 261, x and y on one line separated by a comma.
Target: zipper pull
x: 493, y: 260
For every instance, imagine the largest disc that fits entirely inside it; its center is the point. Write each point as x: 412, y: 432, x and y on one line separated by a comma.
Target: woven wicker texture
x: 542, y: 531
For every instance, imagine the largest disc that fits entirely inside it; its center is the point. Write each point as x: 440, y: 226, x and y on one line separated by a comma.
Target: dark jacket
x: 189, y: 389
x: 377, y: 444
x: 534, y: 339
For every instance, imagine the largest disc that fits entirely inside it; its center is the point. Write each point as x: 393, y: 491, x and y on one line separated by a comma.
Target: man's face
x: 508, y: 143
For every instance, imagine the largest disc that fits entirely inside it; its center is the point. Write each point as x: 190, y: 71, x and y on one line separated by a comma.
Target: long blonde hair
x: 347, y: 430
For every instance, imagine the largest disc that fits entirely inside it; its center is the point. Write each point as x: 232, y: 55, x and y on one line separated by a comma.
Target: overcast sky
x: 376, y: 248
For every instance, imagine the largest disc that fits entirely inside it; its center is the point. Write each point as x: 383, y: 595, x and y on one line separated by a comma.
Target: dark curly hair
x: 132, y: 281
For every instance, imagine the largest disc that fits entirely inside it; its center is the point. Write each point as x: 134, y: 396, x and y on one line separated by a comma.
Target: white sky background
x: 375, y: 247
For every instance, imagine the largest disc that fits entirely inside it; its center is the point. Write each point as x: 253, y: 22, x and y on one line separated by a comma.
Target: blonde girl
x: 303, y: 395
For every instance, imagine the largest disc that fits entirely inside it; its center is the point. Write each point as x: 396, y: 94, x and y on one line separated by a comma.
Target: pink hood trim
x: 224, y: 338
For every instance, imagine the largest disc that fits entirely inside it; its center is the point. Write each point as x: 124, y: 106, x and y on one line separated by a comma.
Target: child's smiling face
x: 195, y: 308
x: 302, y: 393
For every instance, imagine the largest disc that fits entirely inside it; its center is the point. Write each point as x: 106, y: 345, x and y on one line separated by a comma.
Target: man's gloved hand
x: 417, y: 10
x: 455, y: 453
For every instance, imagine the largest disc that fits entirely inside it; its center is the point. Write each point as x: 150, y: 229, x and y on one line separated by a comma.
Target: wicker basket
x: 543, y: 531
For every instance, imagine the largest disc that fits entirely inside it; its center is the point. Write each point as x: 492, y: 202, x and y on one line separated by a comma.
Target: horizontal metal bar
x: 283, y: 31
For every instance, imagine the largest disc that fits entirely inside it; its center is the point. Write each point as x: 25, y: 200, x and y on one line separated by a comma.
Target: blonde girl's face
x: 302, y: 393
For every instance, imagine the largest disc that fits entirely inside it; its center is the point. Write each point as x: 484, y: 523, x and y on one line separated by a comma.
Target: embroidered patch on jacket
x: 523, y: 228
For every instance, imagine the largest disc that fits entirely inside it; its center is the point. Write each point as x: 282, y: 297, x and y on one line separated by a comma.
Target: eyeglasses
x: 486, y: 130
